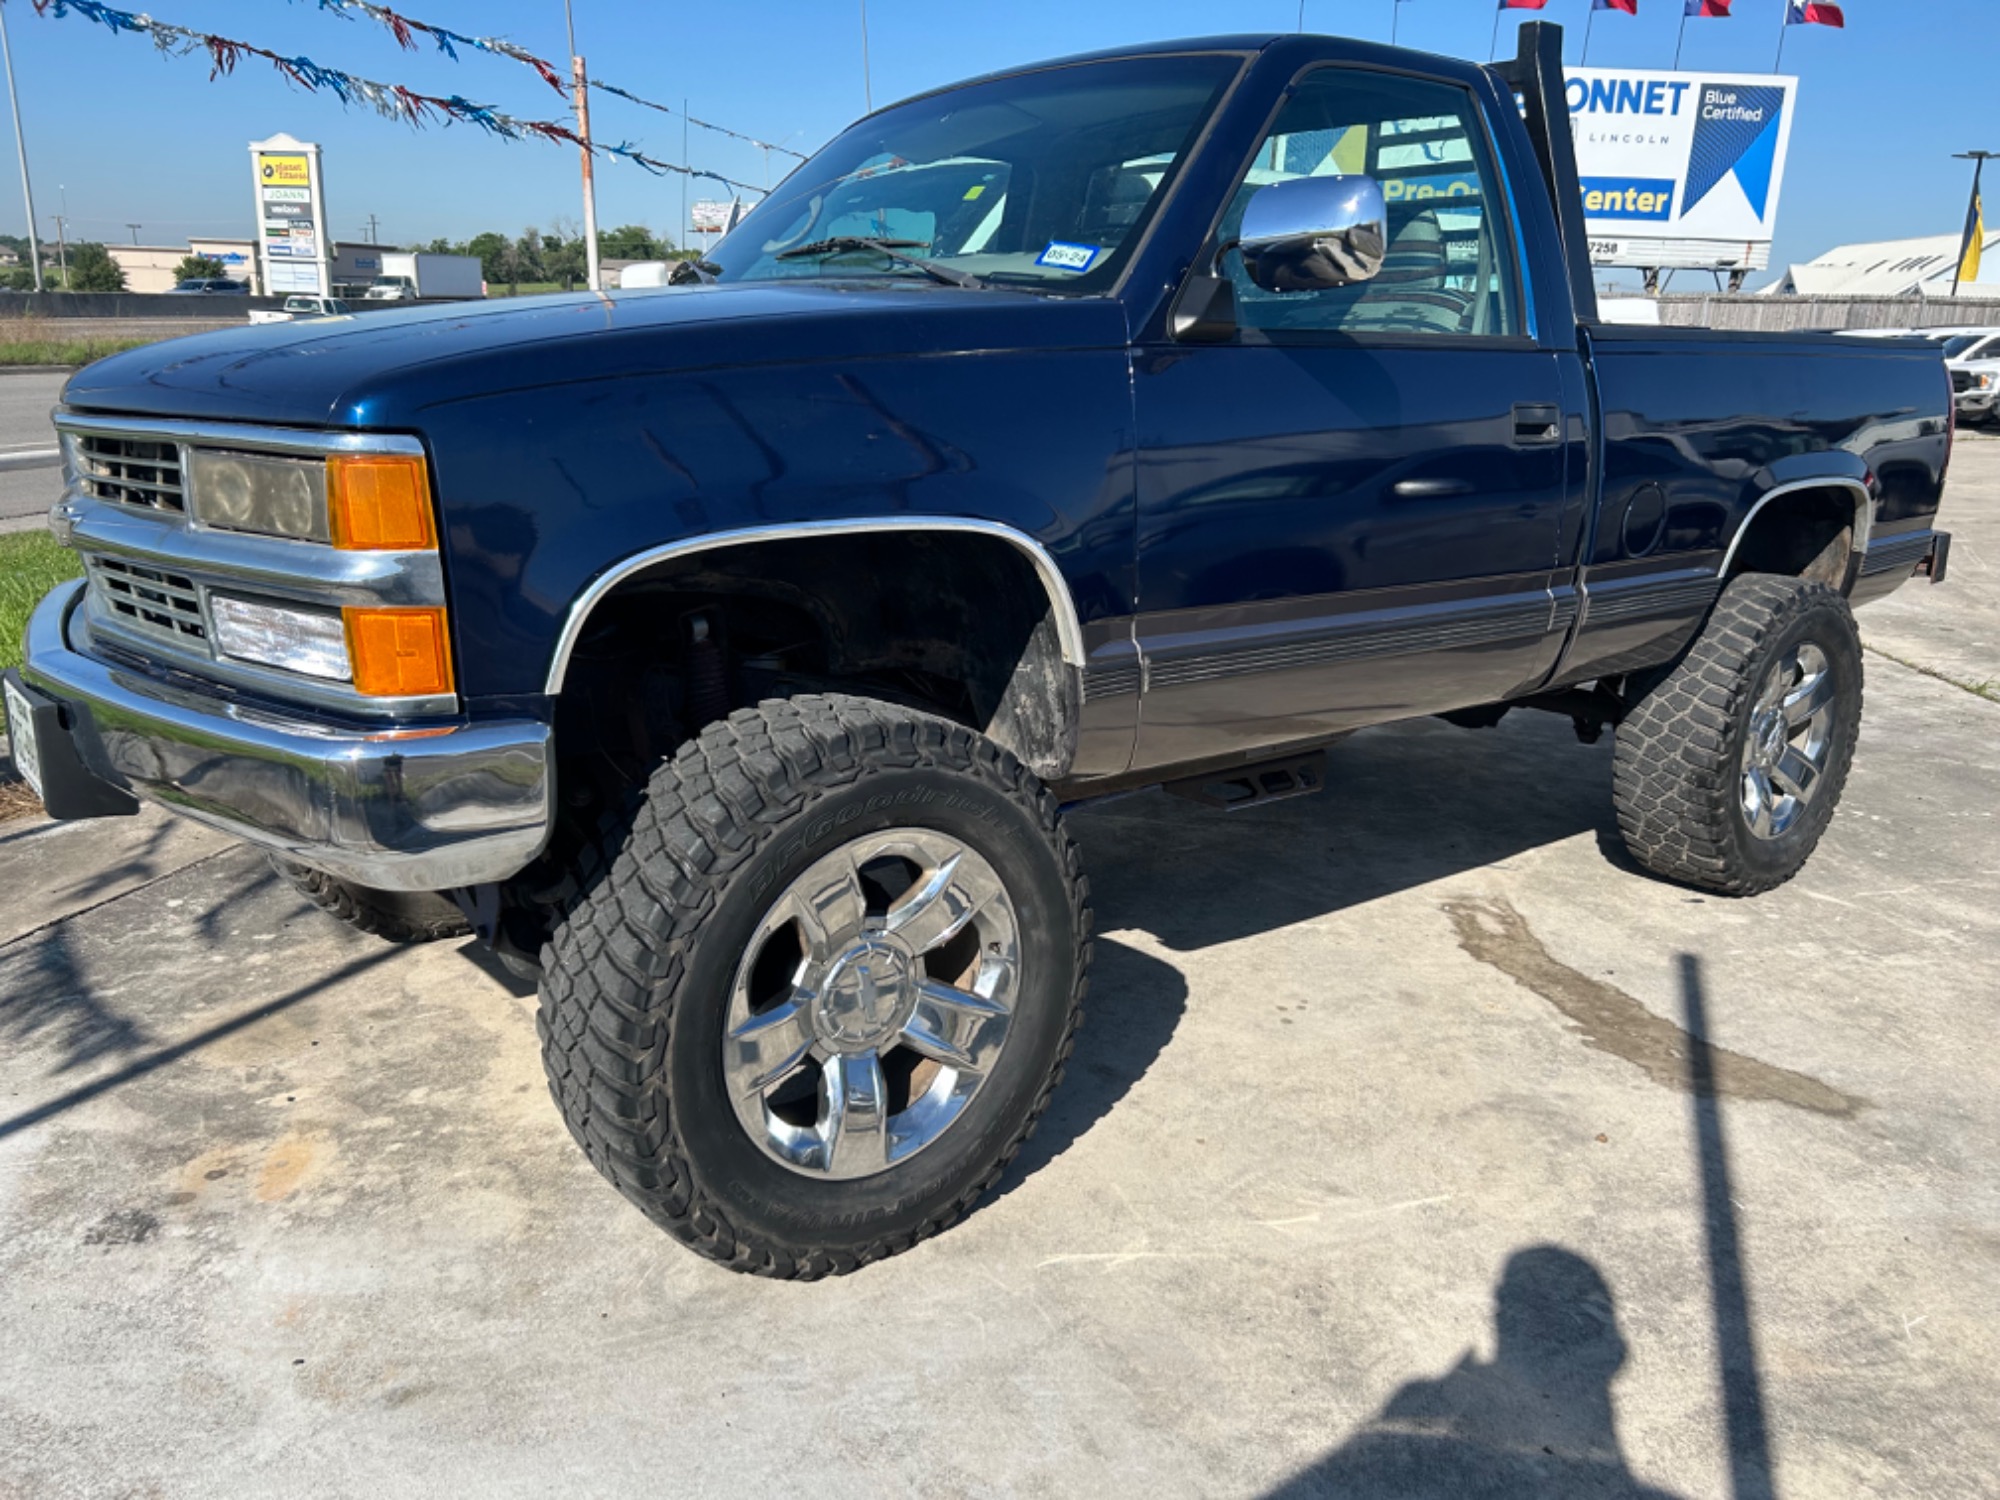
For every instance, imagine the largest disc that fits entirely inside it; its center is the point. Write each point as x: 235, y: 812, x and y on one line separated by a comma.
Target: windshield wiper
x: 848, y: 244
x: 703, y: 272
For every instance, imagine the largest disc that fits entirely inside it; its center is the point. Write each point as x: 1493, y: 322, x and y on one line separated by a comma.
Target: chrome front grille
x: 131, y: 471
x: 150, y: 601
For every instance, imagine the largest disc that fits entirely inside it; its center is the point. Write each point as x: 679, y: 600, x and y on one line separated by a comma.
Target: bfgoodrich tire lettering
x: 1685, y: 749
x: 638, y: 975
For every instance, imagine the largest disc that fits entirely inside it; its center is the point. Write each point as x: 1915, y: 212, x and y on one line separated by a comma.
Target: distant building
x: 151, y: 268
x: 355, y: 266
x: 1890, y: 268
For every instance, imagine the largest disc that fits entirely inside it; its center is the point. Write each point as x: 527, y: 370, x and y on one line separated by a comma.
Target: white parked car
x: 301, y: 306
x: 1975, y: 389
x: 1972, y: 357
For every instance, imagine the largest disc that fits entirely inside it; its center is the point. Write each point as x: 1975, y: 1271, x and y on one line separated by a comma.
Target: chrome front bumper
x: 403, y: 810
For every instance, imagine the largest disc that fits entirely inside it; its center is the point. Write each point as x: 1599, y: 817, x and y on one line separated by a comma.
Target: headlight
x: 1982, y: 382
x: 270, y: 496
x: 313, y: 642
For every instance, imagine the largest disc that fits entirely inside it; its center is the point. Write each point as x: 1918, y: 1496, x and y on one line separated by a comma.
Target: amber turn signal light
x: 379, y: 502
x: 399, y: 653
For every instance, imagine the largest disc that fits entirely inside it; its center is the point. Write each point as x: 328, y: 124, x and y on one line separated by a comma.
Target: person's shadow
x: 1537, y: 1421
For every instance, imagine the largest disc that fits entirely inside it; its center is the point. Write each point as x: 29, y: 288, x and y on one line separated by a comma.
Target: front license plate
x: 21, y: 735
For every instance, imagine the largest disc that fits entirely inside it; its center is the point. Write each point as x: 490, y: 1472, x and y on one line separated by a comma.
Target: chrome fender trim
x: 1069, y: 629
x: 1864, y: 512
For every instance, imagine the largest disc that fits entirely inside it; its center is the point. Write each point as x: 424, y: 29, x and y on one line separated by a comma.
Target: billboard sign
x: 291, y: 213
x: 1680, y: 169
x: 710, y: 216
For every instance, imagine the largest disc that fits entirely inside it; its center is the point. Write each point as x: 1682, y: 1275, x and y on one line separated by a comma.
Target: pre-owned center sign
x: 1680, y: 169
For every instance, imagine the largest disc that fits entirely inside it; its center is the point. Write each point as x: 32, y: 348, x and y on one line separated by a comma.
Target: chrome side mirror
x: 1314, y: 233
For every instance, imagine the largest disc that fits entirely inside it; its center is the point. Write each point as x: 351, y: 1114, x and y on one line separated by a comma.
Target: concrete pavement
x: 26, y: 493
x: 1378, y: 1169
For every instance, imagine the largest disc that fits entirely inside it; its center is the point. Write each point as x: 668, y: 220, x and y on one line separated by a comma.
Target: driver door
x: 1349, y: 513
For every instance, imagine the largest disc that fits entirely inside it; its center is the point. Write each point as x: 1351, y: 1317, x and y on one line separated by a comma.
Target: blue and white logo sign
x: 1680, y: 169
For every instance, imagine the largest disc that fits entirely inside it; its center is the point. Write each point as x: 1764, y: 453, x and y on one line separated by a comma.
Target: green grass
x: 30, y: 565
x: 63, y: 351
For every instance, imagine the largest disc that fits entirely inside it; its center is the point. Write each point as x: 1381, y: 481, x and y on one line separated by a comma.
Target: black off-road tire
x: 1677, y: 777
x: 393, y: 916
x: 638, y: 971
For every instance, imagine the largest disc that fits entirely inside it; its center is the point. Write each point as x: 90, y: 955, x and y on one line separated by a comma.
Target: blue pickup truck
x: 725, y: 655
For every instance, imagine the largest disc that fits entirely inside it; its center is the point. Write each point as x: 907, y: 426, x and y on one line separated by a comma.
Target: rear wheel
x: 393, y: 916
x: 1728, y: 771
x: 813, y: 996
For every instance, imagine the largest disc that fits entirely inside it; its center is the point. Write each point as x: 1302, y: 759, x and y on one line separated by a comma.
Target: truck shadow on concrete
x: 1539, y: 1419
x: 1134, y: 1004
x: 1403, y: 807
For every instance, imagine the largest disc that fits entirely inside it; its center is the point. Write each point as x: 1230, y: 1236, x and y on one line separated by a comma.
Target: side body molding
x: 1069, y: 629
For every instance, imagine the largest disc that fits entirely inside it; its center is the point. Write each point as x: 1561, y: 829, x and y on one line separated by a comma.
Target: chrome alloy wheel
x: 872, y: 1003
x: 1789, y: 742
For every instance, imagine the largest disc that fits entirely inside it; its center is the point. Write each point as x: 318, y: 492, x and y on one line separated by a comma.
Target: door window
x: 1451, y: 266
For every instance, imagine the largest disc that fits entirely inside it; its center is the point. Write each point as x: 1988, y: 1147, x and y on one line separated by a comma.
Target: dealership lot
x: 1378, y: 1156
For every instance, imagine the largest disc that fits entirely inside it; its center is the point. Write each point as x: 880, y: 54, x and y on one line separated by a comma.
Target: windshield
x: 1044, y: 180
x: 1953, y: 348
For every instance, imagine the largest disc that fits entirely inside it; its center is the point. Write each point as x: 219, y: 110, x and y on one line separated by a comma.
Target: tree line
x: 556, y: 255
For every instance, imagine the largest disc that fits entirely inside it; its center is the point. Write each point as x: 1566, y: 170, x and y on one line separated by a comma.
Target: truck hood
x: 384, y: 369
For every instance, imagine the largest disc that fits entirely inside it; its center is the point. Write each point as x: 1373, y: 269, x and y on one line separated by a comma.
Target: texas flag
x: 1814, y: 13
x: 1630, y: 7
x: 1708, y: 8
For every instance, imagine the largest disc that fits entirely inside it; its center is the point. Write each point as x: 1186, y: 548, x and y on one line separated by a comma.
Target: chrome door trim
x: 1864, y: 512
x: 1069, y: 628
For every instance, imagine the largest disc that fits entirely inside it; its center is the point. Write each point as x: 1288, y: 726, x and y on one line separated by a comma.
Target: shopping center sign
x: 291, y: 217
x: 1680, y: 169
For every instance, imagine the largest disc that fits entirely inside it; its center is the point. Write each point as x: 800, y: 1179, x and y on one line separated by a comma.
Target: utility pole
x: 595, y: 276
x: 135, y: 232
x: 20, y: 142
x: 1975, y: 217
x: 867, y: 84
x: 62, y: 248
x: 372, y: 222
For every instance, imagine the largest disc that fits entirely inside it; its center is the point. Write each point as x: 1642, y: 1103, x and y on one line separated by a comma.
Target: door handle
x: 1429, y: 489
x: 1537, y: 424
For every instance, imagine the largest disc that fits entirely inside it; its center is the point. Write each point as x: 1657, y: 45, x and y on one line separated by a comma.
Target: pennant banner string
x: 448, y: 41
x: 391, y: 100
x: 401, y: 27
x: 610, y: 88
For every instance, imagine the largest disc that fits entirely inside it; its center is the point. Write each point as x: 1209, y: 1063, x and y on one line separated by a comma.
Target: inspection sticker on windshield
x: 1062, y: 257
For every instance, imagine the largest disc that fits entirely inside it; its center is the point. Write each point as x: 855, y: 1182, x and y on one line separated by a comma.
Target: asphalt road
x: 1415, y: 1143
x: 25, y: 402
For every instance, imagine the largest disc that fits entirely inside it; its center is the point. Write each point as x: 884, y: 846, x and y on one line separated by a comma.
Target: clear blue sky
x: 127, y: 135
